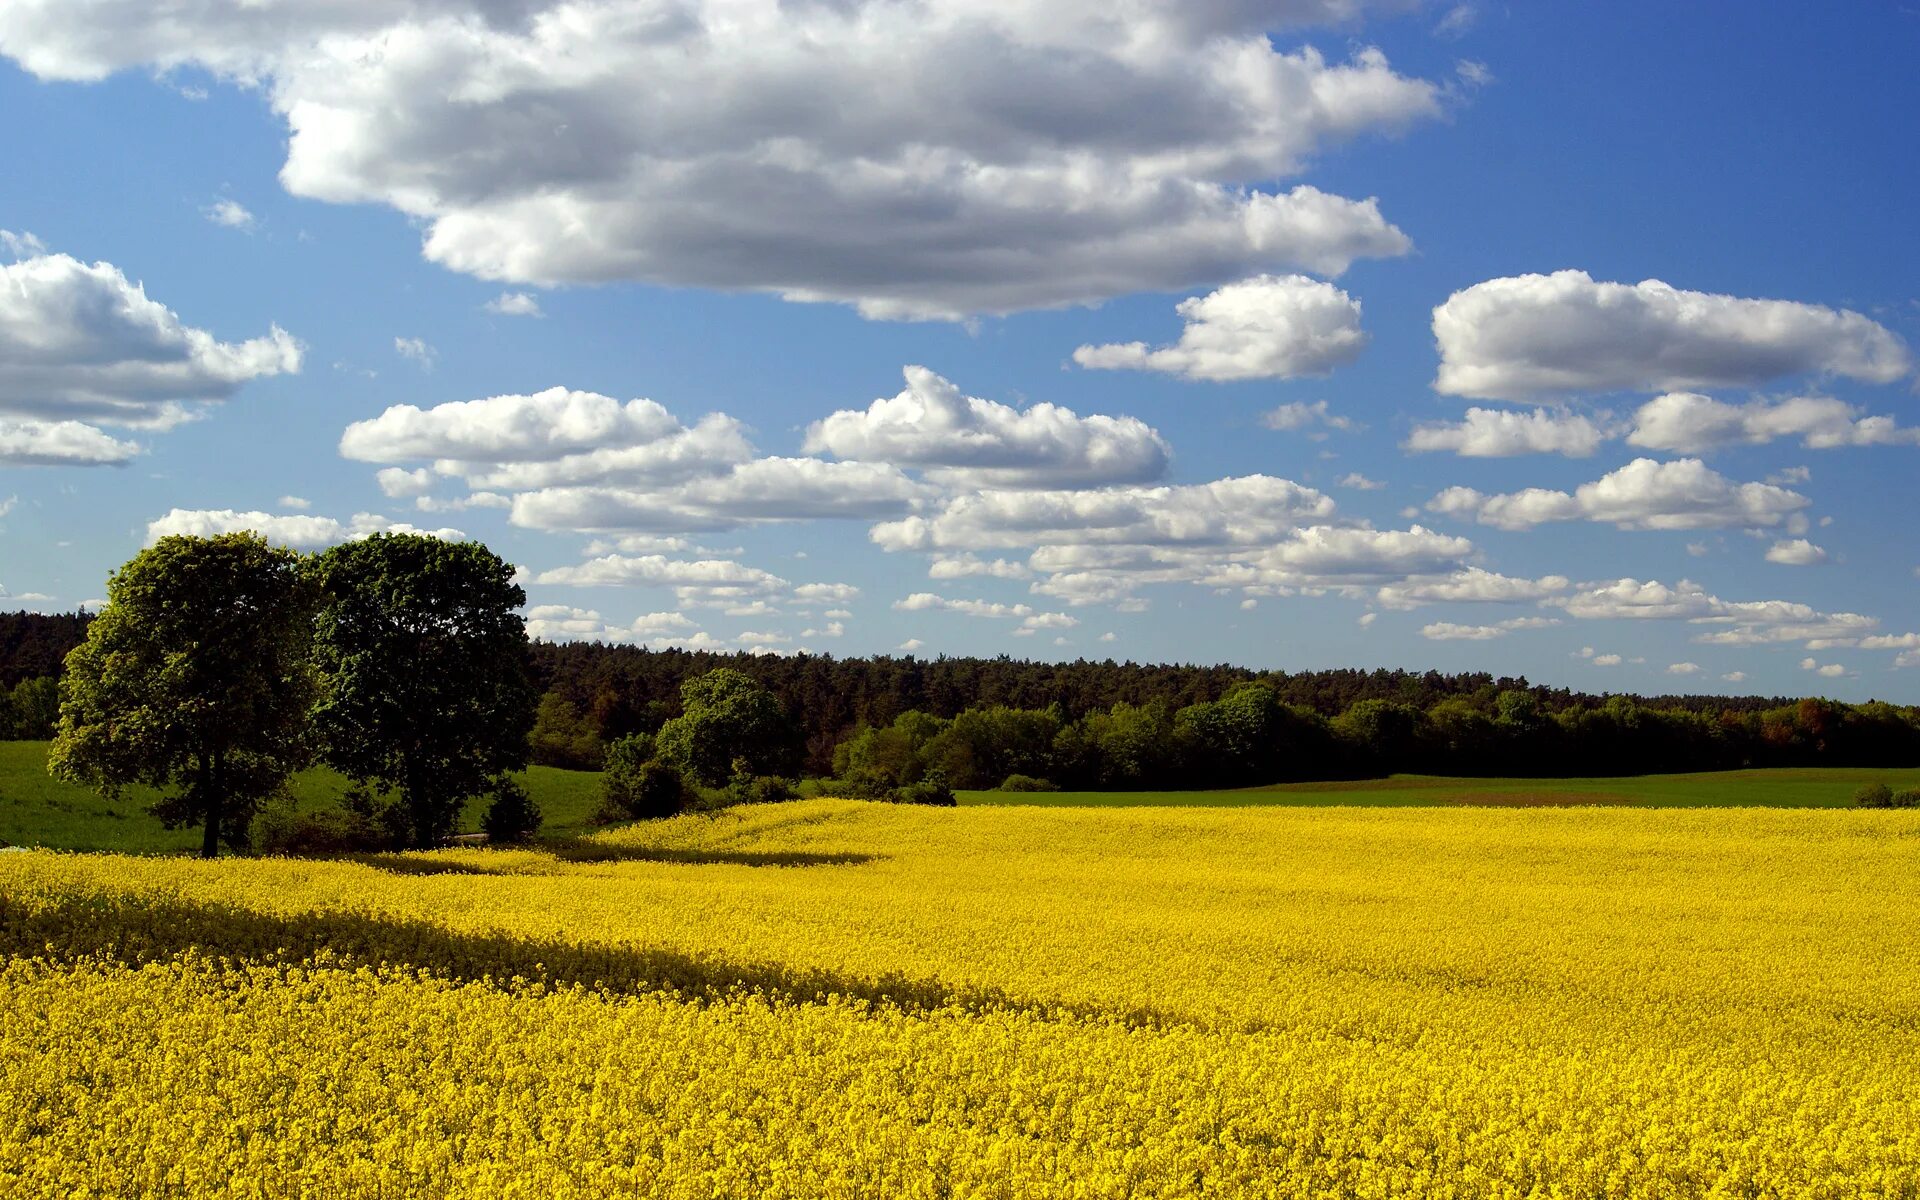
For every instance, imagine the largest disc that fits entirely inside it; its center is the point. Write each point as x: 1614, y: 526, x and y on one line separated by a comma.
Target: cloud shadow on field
x: 137, y: 929
x: 586, y: 850
x: 592, y: 850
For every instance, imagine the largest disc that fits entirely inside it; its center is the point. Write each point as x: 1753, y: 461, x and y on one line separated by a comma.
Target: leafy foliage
x: 512, y: 816
x: 1873, y: 795
x: 1027, y: 783
x: 563, y: 737
x: 726, y: 715
x: 422, y: 654
x: 195, y: 677
x: 30, y: 710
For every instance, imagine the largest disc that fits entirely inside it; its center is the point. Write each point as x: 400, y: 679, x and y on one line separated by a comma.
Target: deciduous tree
x: 727, y: 715
x: 195, y: 678
x: 421, y: 651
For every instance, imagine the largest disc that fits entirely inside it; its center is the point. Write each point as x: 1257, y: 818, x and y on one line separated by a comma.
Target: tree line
x: 1124, y: 725
x: 877, y: 725
x: 1250, y: 736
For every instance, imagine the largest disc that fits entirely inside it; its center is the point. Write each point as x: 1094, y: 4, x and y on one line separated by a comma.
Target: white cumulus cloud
x: 232, y: 215
x: 974, y: 442
x: 553, y: 438
x: 514, y: 304
x: 60, y: 444
x: 1297, y: 415
x: 757, y: 492
x: 1644, y: 494
x: 1447, y: 631
x: 1268, y: 327
x: 1689, y: 423
x: 1798, y: 552
x: 1502, y: 433
x: 300, y: 531
x: 80, y: 342
x: 1531, y: 335
x: 929, y: 159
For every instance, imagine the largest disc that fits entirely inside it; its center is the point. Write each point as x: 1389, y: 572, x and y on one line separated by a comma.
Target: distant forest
x: 974, y: 722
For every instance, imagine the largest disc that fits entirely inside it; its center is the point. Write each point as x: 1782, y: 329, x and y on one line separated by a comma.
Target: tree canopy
x: 194, y: 678
x: 726, y: 715
x: 421, y: 652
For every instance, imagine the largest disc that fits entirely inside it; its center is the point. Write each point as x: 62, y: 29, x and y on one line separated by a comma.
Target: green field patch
x: 1542, y: 798
x: 39, y: 810
x: 1777, y: 787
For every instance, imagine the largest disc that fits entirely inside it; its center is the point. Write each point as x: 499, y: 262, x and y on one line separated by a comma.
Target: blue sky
x: 1417, y: 405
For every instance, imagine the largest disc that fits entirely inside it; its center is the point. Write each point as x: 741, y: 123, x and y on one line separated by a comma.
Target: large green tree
x: 422, y: 655
x: 194, y: 678
x: 726, y: 714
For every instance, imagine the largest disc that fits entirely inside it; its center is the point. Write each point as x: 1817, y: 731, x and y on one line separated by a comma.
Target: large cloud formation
x: 1538, y: 335
x: 972, y: 442
x: 918, y: 158
x: 82, y: 346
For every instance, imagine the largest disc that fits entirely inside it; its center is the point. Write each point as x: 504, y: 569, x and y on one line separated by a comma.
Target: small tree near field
x: 422, y: 655
x: 194, y: 678
x: 726, y: 714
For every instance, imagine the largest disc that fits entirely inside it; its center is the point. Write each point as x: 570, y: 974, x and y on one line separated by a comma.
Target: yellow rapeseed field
x: 831, y: 999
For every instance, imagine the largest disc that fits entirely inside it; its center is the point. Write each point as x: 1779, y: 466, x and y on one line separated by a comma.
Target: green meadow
x: 38, y: 810
x: 1782, y: 787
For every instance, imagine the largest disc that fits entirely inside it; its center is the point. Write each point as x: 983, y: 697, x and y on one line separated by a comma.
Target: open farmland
x: 831, y: 998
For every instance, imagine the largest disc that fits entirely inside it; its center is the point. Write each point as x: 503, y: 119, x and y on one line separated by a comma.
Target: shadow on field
x: 143, y: 929
x: 588, y: 850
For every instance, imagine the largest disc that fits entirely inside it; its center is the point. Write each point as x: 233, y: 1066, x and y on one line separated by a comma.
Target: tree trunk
x: 215, y: 805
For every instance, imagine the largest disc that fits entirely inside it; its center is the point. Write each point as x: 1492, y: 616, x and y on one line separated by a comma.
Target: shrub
x: 649, y: 791
x: 861, y: 785
x: 1873, y: 795
x: 1027, y: 783
x: 927, y: 791
x: 513, y: 816
x: 768, y: 789
x: 1905, y: 798
x: 620, y: 778
x: 282, y: 829
x: 562, y: 737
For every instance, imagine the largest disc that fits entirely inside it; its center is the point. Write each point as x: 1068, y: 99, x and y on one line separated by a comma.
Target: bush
x: 561, y: 737
x: 512, y: 816
x: 1905, y: 798
x: 859, y: 785
x: 620, y: 778
x: 927, y: 791
x: 1873, y: 795
x: 1027, y: 783
x: 646, y: 792
x: 282, y: 829
x: 765, y: 789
